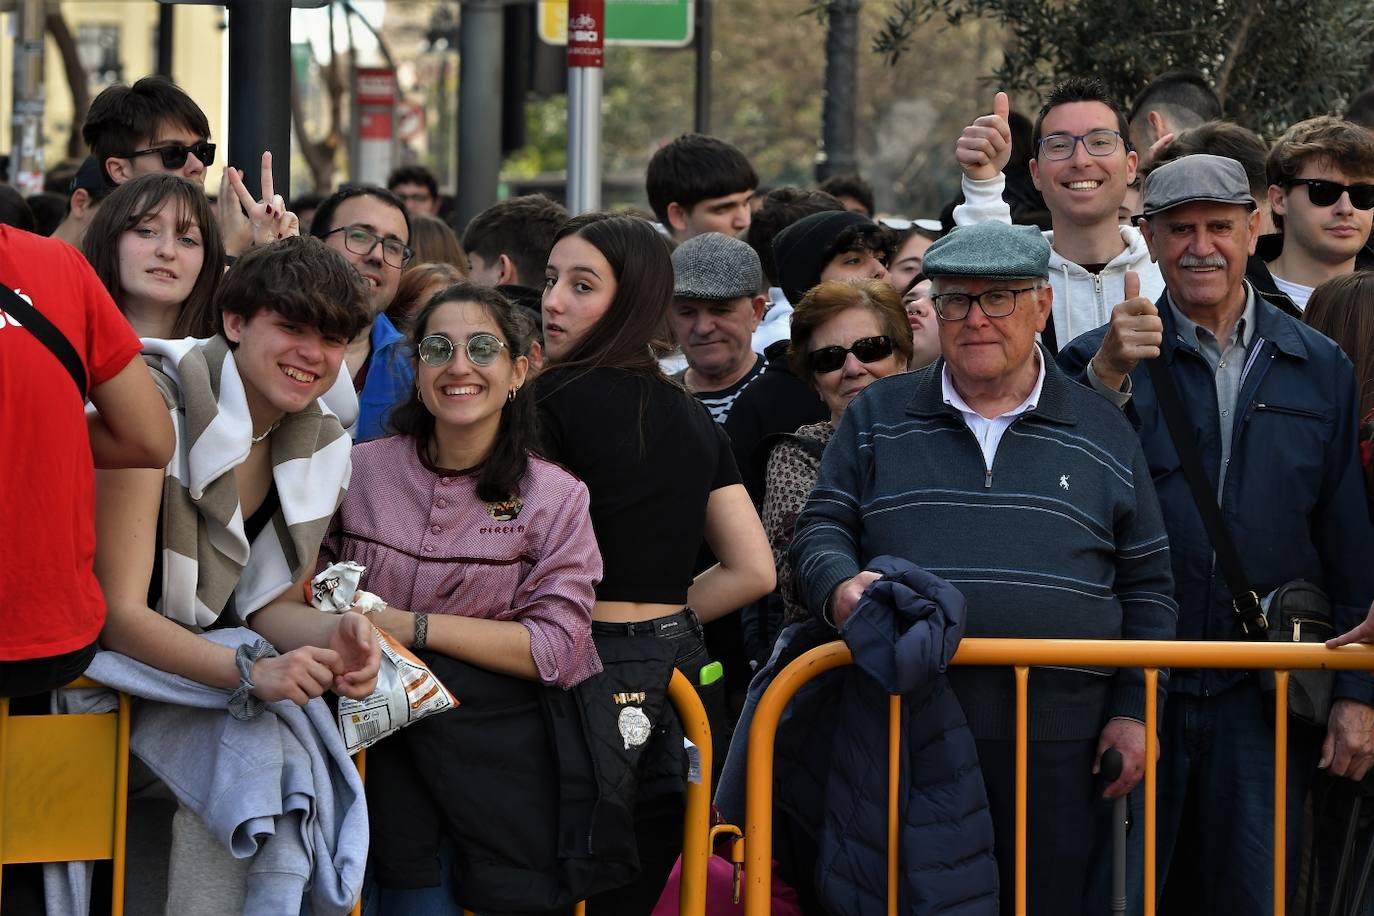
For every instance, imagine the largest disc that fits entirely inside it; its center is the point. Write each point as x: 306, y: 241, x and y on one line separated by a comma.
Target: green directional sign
x: 643, y: 23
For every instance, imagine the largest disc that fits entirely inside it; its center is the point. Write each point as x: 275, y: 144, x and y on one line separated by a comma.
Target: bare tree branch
x: 76, y: 80
x: 1235, y: 49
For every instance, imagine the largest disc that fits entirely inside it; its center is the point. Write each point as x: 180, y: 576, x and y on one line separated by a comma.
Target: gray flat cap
x: 716, y: 266
x: 1199, y: 177
x: 991, y: 249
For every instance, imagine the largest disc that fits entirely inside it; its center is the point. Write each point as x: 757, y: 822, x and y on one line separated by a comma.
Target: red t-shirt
x: 50, y: 602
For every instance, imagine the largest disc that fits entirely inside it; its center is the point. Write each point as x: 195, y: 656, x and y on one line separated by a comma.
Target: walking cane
x: 1111, y: 772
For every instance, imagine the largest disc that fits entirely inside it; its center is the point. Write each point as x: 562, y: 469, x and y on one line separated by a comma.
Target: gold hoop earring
x: 510, y: 395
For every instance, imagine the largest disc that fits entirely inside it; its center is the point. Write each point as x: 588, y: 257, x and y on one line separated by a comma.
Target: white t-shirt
x: 1295, y: 291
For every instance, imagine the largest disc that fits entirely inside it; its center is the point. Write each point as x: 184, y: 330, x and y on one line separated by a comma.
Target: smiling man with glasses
x: 1029, y: 494
x: 370, y: 227
x: 1083, y: 164
x: 1321, y: 194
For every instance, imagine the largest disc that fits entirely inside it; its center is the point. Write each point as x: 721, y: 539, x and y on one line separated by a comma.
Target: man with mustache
x: 1321, y: 194
x: 1272, y: 405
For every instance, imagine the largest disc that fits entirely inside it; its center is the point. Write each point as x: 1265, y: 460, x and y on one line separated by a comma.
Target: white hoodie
x: 1082, y: 301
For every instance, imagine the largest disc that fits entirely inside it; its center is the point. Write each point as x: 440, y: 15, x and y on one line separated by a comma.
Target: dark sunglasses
x: 1324, y: 193
x: 865, y: 349
x: 482, y: 349
x: 174, y: 155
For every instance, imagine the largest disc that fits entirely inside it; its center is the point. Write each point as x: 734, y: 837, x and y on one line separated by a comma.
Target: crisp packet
x: 407, y: 691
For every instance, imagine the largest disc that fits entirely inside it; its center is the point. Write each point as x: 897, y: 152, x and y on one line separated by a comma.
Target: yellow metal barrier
x: 64, y: 788
x: 1021, y: 655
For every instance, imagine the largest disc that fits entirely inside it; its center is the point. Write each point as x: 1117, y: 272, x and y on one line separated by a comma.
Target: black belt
x: 684, y: 620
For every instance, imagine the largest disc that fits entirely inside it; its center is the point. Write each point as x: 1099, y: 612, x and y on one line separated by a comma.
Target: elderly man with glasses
x: 1031, y: 495
x: 370, y: 227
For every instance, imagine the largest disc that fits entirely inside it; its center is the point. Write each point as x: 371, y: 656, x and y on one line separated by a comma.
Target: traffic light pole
x: 481, y: 44
x: 259, y: 105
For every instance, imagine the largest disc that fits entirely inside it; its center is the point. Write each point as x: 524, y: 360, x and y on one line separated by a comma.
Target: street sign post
x: 639, y: 23
x: 586, y: 57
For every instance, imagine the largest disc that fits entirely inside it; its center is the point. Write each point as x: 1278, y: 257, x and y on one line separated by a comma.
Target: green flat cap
x: 991, y: 249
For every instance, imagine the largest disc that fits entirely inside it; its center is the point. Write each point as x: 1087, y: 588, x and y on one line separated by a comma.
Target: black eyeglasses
x: 360, y: 240
x: 1100, y: 142
x: 1325, y: 193
x: 995, y: 303
x: 865, y: 350
x: 174, y: 154
x: 482, y: 349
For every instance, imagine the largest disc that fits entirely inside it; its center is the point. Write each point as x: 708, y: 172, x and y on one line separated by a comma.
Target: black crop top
x: 650, y: 456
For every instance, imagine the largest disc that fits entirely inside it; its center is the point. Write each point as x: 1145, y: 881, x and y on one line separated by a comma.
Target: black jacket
x: 1269, y: 247
x: 534, y: 786
x: 831, y: 770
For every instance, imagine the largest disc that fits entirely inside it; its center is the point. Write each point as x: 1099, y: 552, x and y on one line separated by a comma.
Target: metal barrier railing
x: 1021, y: 655
x: 73, y: 805
x: 696, y: 827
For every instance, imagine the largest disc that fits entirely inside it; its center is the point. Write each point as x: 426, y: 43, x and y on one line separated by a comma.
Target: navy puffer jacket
x: 832, y: 746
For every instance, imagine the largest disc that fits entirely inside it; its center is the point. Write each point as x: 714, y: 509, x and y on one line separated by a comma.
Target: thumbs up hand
x: 1135, y: 333
x: 984, y: 147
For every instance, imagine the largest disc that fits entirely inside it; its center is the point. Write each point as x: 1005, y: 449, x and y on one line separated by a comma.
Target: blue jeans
x: 1215, y: 820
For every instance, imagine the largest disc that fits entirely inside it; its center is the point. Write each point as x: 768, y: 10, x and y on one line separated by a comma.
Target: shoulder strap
x: 47, y: 333
x: 1244, y: 601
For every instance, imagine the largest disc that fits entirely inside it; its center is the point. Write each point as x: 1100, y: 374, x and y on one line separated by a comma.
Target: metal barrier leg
x: 1022, y: 735
x: 894, y: 772
x: 696, y: 845
x: 1151, y: 775
x: 1280, y: 790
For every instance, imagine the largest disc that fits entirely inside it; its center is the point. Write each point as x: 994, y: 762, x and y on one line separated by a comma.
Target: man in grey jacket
x: 1031, y: 495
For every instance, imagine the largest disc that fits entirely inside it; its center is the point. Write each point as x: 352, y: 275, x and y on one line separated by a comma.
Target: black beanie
x: 799, y: 251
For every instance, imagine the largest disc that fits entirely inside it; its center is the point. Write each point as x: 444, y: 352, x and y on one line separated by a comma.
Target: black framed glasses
x: 1100, y: 142
x: 865, y: 350
x: 1325, y: 193
x: 995, y: 303
x: 174, y: 154
x: 482, y: 349
x: 360, y: 240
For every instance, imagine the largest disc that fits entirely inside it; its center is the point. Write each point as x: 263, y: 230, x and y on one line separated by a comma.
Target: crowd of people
x: 1122, y: 389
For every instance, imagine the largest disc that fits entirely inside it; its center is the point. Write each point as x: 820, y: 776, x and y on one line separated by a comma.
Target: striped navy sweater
x: 1061, y: 537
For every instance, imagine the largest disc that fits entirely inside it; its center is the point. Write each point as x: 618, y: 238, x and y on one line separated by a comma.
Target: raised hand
x: 1134, y: 333
x: 268, y: 219
x: 984, y: 147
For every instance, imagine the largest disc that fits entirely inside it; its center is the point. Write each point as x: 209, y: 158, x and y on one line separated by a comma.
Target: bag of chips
x: 407, y: 691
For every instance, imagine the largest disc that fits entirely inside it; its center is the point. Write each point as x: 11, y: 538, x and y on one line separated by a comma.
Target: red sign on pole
x: 586, y: 33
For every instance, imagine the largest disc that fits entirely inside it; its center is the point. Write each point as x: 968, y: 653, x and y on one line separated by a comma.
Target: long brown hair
x: 129, y: 205
x: 1343, y: 309
x: 634, y: 327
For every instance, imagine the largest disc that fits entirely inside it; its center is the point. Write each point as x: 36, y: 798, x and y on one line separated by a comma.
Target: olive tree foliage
x: 1272, y: 62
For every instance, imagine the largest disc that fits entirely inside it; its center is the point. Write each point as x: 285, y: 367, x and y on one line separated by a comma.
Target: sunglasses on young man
x: 1325, y: 193
x: 174, y: 154
x: 482, y: 349
x: 865, y: 350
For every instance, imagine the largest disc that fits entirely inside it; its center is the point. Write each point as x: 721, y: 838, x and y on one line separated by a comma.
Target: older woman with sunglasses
x: 845, y: 335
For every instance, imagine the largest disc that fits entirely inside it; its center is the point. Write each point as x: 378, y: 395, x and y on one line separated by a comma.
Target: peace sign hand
x: 267, y: 219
